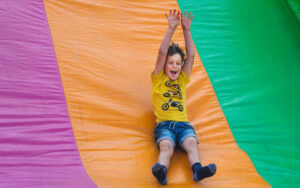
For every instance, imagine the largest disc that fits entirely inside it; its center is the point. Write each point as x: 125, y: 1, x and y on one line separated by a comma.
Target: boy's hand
x: 186, y: 21
x: 173, y: 18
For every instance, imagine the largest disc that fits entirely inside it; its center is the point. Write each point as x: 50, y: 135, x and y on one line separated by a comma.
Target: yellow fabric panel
x: 106, y: 51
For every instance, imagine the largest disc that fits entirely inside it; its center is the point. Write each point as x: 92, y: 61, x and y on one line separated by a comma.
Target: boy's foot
x: 160, y: 172
x: 205, y: 172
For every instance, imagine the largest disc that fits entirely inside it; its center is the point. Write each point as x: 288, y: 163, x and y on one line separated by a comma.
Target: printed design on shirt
x: 175, y: 86
x: 176, y: 105
x: 172, y: 103
x: 172, y: 93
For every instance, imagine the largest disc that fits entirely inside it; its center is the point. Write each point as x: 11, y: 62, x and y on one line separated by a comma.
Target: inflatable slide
x: 75, y: 92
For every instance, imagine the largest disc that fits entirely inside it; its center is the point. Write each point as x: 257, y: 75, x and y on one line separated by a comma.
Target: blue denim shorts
x: 174, y: 131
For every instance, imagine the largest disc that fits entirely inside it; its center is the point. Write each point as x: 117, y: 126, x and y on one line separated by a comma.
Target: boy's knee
x: 190, y: 143
x: 166, y: 145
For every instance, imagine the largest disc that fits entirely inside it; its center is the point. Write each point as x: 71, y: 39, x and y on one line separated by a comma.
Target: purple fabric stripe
x: 37, y: 145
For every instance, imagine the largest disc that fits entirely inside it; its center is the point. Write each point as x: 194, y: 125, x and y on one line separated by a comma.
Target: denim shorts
x: 174, y: 131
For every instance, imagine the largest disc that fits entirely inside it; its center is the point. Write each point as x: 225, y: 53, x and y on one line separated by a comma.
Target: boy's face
x: 173, y: 66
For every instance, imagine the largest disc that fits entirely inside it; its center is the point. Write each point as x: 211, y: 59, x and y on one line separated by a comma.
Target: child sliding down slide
x: 169, y: 79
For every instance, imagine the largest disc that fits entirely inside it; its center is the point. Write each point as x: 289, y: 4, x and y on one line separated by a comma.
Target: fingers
x: 189, y: 16
x: 177, y: 14
x: 173, y: 12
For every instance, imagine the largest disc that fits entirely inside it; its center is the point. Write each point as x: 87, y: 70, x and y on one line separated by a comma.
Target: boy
x: 169, y: 78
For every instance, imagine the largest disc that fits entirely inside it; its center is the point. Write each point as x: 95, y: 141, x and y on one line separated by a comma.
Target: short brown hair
x: 173, y: 49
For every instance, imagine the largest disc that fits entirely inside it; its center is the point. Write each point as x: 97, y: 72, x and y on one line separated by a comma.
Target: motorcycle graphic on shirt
x: 176, y: 86
x: 170, y: 93
x: 172, y: 103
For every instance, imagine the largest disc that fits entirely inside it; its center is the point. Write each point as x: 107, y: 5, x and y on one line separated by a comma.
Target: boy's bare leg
x: 166, y: 151
x: 190, y: 145
x: 159, y: 169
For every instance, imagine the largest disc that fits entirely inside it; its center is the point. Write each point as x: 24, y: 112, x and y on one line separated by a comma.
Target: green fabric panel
x: 295, y: 6
x: 251, y: 52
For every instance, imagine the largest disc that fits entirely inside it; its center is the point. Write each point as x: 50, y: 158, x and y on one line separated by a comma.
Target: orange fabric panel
x: 106, y: 51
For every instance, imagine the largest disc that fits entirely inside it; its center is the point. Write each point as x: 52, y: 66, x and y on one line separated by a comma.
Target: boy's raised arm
x: 189, y: 44
x: 173, y: 19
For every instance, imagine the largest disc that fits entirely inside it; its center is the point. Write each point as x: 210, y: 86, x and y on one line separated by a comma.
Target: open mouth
x: 173, y: 73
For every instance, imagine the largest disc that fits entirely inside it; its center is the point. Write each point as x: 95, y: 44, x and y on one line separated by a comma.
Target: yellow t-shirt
x: 168, y: 97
